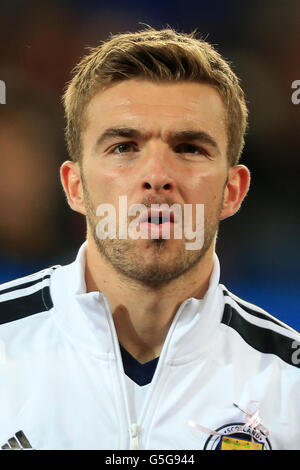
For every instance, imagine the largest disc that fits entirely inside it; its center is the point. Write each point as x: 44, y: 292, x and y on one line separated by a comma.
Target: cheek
x: 104, y: 185
x: 206, y: 188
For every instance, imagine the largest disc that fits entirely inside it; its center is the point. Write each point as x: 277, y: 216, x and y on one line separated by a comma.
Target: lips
x: 157, y: 217
x: 158, y: 220
x: 156, y: 223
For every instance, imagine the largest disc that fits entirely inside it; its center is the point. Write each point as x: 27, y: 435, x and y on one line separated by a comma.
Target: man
x: 135, y: 345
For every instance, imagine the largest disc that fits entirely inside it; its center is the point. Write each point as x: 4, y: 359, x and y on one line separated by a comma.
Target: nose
x: 156, y: 185
x: 158, y: 172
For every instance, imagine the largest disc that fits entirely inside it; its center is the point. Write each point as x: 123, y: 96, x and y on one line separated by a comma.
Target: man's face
x: 158, y: 159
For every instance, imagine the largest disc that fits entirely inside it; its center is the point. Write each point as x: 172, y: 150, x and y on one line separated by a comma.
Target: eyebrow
x: 112, y: 132
x: 190, y: 136
x: 132, y: 133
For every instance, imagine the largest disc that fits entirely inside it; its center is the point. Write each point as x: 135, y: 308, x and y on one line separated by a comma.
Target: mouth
x: 159, y: 220
x: 157, y: 224
x: 157, y: 217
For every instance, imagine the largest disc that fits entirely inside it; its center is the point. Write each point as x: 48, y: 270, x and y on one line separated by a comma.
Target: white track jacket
x: 62, y: 383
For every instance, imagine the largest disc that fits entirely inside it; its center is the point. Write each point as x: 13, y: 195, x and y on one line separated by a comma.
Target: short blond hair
x: 156, y: 55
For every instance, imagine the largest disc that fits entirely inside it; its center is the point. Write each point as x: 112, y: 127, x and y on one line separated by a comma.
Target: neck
x: 142, y: 314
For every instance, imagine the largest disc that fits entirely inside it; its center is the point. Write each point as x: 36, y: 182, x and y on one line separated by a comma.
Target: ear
x: 235, y: 191
x: 71, y: 182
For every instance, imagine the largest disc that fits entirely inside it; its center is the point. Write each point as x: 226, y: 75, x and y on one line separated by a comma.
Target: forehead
x: 158, y: 108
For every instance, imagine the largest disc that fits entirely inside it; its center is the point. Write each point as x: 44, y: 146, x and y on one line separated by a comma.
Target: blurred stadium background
x: 40, y: 42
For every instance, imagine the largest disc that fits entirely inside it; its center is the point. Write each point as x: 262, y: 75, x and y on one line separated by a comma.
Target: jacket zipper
x: 133, y: 428
x: 134, y: 439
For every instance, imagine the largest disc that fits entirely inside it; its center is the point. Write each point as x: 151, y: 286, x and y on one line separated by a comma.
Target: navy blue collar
x: 141, y: 374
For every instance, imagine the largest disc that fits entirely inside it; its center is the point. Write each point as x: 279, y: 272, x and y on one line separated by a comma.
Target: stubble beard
x: 124, y: 255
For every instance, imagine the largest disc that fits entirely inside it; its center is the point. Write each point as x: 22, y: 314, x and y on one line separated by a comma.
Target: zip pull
x: 134, y: 440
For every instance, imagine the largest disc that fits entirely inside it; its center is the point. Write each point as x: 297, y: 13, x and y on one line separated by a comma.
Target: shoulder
x: 261, y: 330
x: 25, y: 296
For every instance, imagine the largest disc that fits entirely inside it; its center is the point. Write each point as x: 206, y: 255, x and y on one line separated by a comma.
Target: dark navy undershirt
x: 141, y: 374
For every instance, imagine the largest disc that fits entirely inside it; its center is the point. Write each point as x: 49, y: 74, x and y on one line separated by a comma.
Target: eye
x: 125, y: 147
x: 190, y: 148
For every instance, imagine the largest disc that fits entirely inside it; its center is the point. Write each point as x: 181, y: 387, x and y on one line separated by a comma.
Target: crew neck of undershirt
x: 141, y: 374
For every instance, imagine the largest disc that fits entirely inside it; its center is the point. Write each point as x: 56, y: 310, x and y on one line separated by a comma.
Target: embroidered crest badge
x: 250, y: 435
x: 237, y: 436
